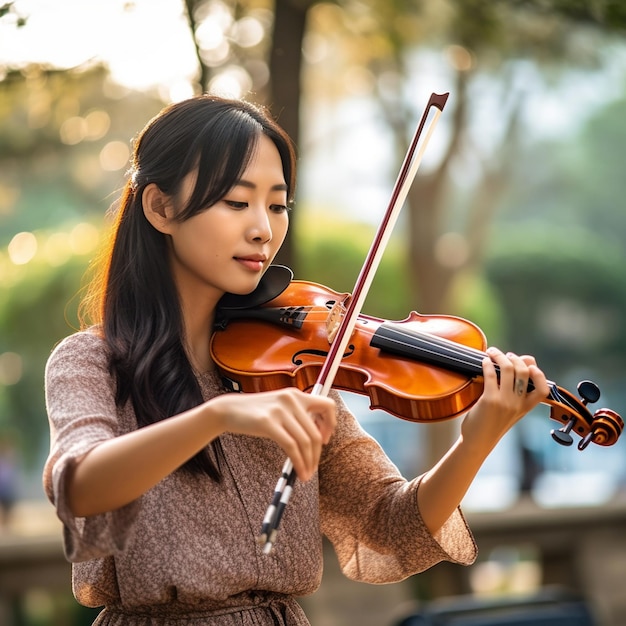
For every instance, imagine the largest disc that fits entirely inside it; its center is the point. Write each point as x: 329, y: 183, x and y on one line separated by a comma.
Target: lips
x: 253, y: 262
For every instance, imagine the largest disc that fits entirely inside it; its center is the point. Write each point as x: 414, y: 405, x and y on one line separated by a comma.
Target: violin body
x: 423, y: 368
x: 260, y: 355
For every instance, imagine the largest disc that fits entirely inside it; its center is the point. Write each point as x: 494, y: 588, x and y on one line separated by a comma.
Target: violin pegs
x: 589, y: 391
x: 562, y: 436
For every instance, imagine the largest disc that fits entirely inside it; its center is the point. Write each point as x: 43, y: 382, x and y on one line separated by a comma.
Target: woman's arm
x: 117, y: 471
x: 503, y: 403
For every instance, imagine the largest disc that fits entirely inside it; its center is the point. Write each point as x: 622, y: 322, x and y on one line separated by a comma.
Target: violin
x: 423, y: 368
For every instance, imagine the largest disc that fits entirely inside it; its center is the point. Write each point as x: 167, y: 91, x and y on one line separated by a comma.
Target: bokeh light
x: 114, y: 156
x: 22, y: 248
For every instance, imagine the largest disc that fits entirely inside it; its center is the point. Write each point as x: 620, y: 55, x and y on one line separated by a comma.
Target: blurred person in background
x: 162, y: 477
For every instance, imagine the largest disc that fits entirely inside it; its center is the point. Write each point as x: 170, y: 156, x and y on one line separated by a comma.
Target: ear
x: 157, y: 208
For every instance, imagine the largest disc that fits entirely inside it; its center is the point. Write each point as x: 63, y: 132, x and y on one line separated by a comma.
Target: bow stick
x: 329, y: 369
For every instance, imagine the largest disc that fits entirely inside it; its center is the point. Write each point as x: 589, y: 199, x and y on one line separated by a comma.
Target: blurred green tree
x: 558, y: 262
x: 35, y: 312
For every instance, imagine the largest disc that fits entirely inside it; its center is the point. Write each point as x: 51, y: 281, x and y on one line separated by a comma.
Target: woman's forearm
x: 445, y: 485
x: 118, y: 471
x: 505, y: 400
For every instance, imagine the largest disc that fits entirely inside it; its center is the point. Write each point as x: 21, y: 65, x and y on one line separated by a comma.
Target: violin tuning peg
x: 586, y: 440
x: 589, y: 391
x: 562, y: 435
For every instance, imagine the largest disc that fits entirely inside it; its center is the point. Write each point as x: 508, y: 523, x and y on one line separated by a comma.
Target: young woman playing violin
x: 160, y: 476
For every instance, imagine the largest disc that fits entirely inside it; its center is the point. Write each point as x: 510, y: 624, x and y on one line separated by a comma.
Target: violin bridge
x: 333, y: 321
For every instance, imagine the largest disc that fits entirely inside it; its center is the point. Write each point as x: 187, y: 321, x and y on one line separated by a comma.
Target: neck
x: 198, y: 326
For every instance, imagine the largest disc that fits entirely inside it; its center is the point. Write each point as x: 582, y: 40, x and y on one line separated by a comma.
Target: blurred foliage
x: 329, y: 257
x: 9, y: 12
x: 37, y: 309
x: 607, y: 13
x: 64, y: 144
x: 563, y: 297
x: 557, y: 262
x: 579, y: 183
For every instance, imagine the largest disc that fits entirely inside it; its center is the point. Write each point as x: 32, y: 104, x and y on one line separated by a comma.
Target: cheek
x: 208, y: 230
x: 280, y: 229
x: 197, y: 240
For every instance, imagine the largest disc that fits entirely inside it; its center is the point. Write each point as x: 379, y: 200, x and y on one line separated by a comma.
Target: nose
x: 260, y: 228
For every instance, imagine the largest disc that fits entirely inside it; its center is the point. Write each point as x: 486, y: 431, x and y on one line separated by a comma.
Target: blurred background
x: 516, y: 222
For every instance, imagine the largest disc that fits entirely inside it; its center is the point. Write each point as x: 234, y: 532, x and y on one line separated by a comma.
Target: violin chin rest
x: 275, y: 280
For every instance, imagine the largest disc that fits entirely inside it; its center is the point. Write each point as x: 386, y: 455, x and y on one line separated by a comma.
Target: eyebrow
x: 250, y: 185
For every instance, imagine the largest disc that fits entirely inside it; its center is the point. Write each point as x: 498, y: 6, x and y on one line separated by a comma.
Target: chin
x: 245, y: 287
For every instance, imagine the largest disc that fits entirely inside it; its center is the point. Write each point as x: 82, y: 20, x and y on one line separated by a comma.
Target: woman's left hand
x: 506, y: 397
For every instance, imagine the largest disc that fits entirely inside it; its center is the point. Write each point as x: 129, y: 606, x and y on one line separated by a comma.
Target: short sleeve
x: 370, y: 512
x: 80, y: 402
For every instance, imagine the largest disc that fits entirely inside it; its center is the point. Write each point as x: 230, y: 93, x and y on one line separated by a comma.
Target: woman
x: 160, y: 476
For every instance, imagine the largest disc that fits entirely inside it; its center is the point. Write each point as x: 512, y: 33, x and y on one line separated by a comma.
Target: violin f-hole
x: 298, y: 361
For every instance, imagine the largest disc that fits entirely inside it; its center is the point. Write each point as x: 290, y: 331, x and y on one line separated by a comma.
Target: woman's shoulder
x: 88, y: 339
x: 82, y: 346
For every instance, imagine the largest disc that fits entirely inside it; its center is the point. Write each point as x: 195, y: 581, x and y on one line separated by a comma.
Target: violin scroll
x: 606, y: 427
x: 602, y: 427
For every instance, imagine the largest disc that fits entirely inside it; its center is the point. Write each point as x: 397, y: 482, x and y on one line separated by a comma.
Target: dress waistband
x: 279, y: 610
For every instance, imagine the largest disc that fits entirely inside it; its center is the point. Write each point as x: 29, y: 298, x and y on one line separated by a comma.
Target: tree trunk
x: 284, y: 90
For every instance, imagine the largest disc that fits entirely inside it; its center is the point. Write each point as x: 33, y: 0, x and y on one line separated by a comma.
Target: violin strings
x: 473, y: 358
x: 458, y: 353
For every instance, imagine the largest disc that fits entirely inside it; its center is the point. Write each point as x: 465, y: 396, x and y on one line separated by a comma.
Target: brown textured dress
x: 185, y: 553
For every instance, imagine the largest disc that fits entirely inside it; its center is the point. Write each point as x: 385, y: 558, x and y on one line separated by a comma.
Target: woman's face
x: 228, y: 247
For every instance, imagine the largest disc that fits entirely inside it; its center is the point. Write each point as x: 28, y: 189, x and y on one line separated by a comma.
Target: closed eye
x: 280, y: 208
x: 275, y: 208
x: 236, y: 205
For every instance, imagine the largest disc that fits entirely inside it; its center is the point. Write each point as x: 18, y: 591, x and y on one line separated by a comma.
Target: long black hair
x: 133, y: 299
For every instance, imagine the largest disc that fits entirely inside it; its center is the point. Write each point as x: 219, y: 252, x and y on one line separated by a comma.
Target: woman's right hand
x: 300, y: 423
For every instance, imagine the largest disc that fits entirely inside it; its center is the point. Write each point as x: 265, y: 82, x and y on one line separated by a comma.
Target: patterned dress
x: 186, y: 553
